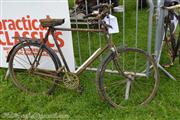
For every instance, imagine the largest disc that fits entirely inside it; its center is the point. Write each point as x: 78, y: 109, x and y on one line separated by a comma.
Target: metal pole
x: 151, y: 12
x: 1, y: 15
x: 124, y: 25
x: 89, y: 38
x: 78, y: 38
x: 159, y: 29
x: 99, y: 34
x: 136, y: 39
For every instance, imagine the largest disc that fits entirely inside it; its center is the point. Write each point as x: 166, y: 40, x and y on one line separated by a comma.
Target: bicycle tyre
x: 106, y: 81
x: 23, y: 78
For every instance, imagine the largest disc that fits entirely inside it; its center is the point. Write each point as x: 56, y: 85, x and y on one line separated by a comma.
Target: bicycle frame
x: 91, y: 59
x: 110, y: 45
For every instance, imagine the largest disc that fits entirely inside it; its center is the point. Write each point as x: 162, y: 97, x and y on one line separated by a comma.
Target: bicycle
x: 123, y: 86
x: 172, y: 33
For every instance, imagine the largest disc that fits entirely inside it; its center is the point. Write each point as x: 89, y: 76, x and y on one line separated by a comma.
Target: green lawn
x: 72, y: 105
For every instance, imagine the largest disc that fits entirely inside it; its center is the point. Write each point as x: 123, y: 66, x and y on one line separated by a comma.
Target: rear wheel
x: 130, y: 83
x: 33, y: 78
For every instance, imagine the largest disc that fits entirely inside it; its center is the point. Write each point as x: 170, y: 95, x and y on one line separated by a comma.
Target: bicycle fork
x: 127, y: 76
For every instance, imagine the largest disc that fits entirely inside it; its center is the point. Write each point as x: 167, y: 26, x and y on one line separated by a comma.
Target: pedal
x: 80, y: 89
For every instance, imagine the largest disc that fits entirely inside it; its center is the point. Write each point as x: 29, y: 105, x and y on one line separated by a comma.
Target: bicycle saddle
x: 168, y: 3
x: 48, y: 22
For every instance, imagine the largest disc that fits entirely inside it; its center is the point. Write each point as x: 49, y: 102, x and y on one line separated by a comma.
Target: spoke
x: 118, y: 82
x: 24, y: 61
x: 143, y: 82
x: 21, y: 64
x: 27, y: 56
x: 143, y: 68
x: 111, y: 89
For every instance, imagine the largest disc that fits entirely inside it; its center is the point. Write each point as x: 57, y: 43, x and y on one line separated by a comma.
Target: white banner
x: 21, y: 18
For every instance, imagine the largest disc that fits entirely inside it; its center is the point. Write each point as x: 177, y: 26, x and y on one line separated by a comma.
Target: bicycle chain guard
x: 71, y: 81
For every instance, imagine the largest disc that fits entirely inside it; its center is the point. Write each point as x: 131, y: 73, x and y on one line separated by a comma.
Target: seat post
x: 59, y: 49
x: 47, y: 34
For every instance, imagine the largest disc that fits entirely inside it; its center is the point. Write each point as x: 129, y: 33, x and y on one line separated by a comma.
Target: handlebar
x: 104, y: 10
x: 171, y: 7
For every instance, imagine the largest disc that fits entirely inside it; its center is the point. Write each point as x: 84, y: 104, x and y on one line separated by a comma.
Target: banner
x: 21, y: 18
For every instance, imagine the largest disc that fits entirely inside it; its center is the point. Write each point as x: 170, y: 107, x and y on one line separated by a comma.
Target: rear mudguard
x: 16, y: 45
x: 24, y: 40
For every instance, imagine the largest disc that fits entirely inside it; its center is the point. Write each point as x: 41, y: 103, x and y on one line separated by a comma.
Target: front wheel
x: 125, y: 80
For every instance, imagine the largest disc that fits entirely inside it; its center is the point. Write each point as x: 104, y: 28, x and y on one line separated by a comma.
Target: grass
x: 87, y: 105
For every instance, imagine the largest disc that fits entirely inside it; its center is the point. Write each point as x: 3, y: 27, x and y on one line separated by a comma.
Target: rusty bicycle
x: 127, y: 84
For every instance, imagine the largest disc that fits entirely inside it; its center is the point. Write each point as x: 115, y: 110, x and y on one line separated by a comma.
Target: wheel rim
x: 120, y: 91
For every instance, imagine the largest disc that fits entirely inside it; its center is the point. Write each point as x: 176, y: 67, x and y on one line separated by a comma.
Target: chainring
x: 71, y: 81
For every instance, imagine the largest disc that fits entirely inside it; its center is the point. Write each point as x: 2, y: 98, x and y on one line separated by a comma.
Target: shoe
x: 118, y: 9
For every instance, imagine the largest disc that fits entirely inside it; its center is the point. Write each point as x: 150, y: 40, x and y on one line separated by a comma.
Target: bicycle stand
x: 7, y: 74
x: 160, y: 37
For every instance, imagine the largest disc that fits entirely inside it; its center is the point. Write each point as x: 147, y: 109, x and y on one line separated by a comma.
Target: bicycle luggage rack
x: 81, y: 21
